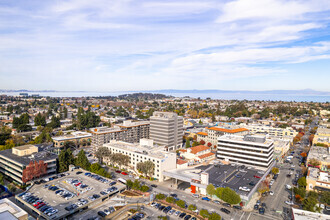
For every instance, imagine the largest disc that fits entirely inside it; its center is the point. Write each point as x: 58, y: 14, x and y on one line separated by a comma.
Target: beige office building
x: 166, y: 128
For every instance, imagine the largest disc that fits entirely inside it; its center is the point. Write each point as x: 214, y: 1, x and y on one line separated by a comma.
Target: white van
x: 196, y: 195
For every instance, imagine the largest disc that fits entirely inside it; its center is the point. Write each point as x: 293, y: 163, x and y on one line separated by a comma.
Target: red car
x: 77, y: 184
x: 118, y: 171
x: 35, y: 205
x: 124, y: 173
x: 255, y: 176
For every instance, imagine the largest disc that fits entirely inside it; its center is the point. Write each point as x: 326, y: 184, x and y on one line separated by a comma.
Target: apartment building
x: 317, y: 179
x: 211, y: 135
x: 249, y: 150
x: 79, y: 138
x: 128, y: 131
x: 145, y: 151
x: 166, y: 128
x: 24, y: 163
x: 271, y: 131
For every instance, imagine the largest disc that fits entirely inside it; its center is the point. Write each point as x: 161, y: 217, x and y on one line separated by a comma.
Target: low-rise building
x: 271, y: 131
x: 79, y: 138
x: 281, y: 146
x: 317, y: 179
x: 250, y: 150
x: 198, y: 153
x: 211, y: 135
x: 321, y: 154
x: 25, y: 163
x: 145, y: 151
x: 10, y: 211
x: 322, y: 137
x: 299, y: 214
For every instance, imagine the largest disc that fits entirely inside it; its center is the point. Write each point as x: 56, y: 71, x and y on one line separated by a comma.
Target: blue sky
x: 122, y: 45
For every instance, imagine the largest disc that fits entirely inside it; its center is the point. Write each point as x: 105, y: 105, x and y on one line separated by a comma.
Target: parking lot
x: 69, y: 192
x: 242, y: 179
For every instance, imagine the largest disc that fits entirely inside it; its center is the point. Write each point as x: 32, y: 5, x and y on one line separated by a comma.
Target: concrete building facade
x: 166, y: 128
x: 249, y: 150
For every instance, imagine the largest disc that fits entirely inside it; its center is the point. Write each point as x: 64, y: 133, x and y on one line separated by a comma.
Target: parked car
x: 206, y: 198
x: 102, y: 214
x: 226, y: 204
x: 225, y: 210
x: 261, y: 211
x: 237, y: 207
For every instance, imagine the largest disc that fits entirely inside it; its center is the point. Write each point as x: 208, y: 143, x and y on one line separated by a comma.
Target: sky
x: 127, y: 45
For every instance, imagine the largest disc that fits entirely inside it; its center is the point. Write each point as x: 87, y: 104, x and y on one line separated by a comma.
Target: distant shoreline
x: 302, y: 96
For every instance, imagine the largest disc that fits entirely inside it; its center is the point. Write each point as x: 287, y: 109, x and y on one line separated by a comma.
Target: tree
x: 101, y: 153
x: 44, y: 137
x: 210, y: 190
x: 146, y: 167
x: 325, y: 197
x: 195, y: 143
x: 300, y: 191
x: 12, y: 188
x: 95, y: 167
x: 170, y: 199
x: 129, y: 183
x: 209, y: 144
x: 309, y: 204
x: 192, y: 207
x: 230, y: 196
x: 303, y: 154
x: 202, y: 142
x: 5, y: 133
x: 160, y: 196
x: 275, y: 170
x: 302, y: 182
x: 214, y: 216
x: 1, y: 179
x: 180, y: 203
x: 82, y: 160
x: 64, y: 160
x: 187, y: 143
x: 144, y: 188
x: 24, y: 128
x: 40, y: 120
x: 55, y: 122
x: 204, y: 213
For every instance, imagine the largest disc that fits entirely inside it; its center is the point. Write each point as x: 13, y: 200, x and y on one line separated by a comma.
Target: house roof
x: 202, y: 133
x: 199, y: 148
x: 180, y: 162
x: 206, y: 155
x: 228, y: 130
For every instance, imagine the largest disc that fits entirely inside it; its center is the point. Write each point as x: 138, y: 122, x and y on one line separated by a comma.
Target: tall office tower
x: 166, y: 128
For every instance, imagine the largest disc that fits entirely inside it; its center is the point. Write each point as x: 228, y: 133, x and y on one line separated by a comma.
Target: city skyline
x: 152, y: 45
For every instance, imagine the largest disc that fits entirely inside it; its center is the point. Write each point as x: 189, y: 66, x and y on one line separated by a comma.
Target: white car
x: 289, y: 202
x: 271, y: 193
x: 293, y: 166
x: 196, y: 195
x: 177, y: 213
x: 153, y: 204
x: 171, y: 212
x: 288, y: 186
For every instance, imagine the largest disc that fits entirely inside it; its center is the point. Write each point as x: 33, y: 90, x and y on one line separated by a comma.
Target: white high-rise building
x: 250, y: 150
x: 166, y: 128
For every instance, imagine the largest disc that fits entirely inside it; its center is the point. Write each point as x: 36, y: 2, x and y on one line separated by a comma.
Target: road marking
x: 242, y: 216
x: 249, y: 216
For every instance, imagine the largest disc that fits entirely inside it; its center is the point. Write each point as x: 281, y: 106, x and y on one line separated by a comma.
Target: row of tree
x: 137, y: 185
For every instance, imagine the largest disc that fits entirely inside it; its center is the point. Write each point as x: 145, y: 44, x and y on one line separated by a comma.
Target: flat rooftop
x: 153, y: 151
x: 299, y: 214
x: 247, y: 139
x: 43, y: 154
x: 105, y: 130
x: 73, y: 135
x: 320, y: 153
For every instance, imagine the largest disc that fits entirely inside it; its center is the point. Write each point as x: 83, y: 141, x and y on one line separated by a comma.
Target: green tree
x: 195, y: 143
x: 82, y: 160
x: 40, y: 120
x: 187, y: 143
x: 192, y: 207
x: 1, y: 179
x: 144, y: 188
x: 230, y: 196
x: 146, y: 167
x: 302, y: 182
x: 210, y: 190
x: 214, y: 216
x: 325, y: 197
x: 300, y: 191
x: 55, y: 122
x: 95, y: 167
x: 5, y: 133
x: 12, y: 188
x: 309, y: 204
x: 218, y: 192
x: 44, y: 137
x: 129, y: 183
x: 204, y: 213
x: 24, y: 128
x: 160, y: 196
x: 170, y: 199
x: 64, y: 160
x: 180, y: 203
